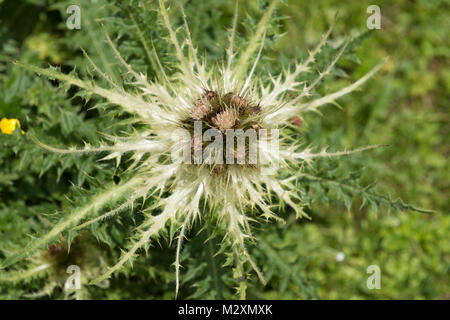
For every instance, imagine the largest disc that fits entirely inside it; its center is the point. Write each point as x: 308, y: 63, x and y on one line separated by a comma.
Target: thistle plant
x: 226, y: 96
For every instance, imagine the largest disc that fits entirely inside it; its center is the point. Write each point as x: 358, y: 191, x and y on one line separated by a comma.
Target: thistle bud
x: 201, y: 109
x: 225, y: 120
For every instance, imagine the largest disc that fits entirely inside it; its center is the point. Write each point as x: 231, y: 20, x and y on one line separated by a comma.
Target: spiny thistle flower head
x: 225, y: 97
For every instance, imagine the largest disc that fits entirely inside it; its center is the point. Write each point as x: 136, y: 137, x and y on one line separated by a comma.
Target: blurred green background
x: 406, y: 106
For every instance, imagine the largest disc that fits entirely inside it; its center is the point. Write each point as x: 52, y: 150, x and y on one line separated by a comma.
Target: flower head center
x: 228, y: 115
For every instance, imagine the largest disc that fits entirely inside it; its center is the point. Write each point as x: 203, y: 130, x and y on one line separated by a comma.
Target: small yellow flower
x: 7, y: 126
